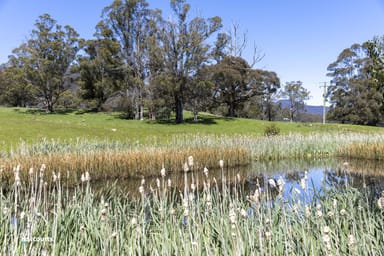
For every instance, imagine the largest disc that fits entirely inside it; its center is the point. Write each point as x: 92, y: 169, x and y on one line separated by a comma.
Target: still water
x: 301, y: 178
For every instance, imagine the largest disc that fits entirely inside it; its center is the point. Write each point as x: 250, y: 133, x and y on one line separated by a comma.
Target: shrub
x: 271, y: 130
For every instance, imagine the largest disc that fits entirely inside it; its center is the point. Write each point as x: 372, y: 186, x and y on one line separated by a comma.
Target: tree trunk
x: 179, y: 110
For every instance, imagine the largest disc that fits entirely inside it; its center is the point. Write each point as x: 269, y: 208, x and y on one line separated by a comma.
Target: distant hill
x: 313, y: 110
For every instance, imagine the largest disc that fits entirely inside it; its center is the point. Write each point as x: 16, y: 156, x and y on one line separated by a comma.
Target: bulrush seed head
x: 185, y: 167
x: 30, y: 171
x: 205, y: 171
x: 87, y: 177
x: 158, y: 183
x: 169, y: 183
x: 380, y: 202
x: 162, y: 172
x: 221, y: 164
x: 343, y: 212
x: 82, y: 178
x: 141, y: 189
x: 134, y: 221
x: 326, y: 230
x: 190, y: 161
x: 303, y: 184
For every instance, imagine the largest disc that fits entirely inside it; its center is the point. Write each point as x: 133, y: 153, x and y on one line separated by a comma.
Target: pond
x: 302, y: 179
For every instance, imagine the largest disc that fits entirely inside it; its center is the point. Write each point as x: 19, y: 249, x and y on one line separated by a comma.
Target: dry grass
x: 112, y: 164
x: 363, y: 150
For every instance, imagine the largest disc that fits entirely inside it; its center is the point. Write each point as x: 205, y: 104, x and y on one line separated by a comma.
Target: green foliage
x: 46, y: 58
x: 355, y: 92
x: 271, y: 130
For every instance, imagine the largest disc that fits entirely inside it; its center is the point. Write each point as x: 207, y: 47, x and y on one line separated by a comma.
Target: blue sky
x: 299, y: 38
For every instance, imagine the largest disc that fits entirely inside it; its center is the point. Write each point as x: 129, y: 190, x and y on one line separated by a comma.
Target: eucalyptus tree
x: 14, y: 89
x: 297, y: 95
x: 354, y: 93
x: 234, y: 83
x: 269, y: 84
x: 100, y: 67
x: 185, y: 50
x: 46, y: 59
x: 133, y: 26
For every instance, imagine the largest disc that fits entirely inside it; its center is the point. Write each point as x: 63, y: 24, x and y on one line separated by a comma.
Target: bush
x: 271, y: 130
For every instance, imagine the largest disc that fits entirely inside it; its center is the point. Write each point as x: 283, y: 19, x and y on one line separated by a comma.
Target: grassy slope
x: 20, y: 124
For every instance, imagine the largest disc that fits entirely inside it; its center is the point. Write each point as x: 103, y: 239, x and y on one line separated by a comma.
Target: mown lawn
x: 28, y: 125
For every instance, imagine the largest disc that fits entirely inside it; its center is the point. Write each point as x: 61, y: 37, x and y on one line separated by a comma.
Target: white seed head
x: 303, y: 184
x: 87, y: 176
x: 343, y: 212
x: 185, y: 167
x: 221, y: 163
x: 30, y: 171
x: 205, y: 171
x: 334, y: 203
x: 351, y: 240
x: 82, y: 178
x: 82, y: 229
x: 114, y: 235
x: 162, y: 172
x: 133, y: 221
x: 193, y: 187
x: 169, y: 182
x: 190, y: 161
x: 22, y: 215
x: 272, y: 183
x: 141, y: 189
x: 326, y: 230
x: 158, y: 183
x: 380, y: 202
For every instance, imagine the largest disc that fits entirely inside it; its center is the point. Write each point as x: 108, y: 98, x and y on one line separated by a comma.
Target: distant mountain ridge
x: 310, y: 109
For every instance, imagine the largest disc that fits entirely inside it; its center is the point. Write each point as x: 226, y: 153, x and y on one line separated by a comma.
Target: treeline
x: 150, y: 67
x: 356, y: 92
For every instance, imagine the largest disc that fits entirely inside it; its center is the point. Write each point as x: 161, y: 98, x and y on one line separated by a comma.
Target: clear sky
x: 299, y: 38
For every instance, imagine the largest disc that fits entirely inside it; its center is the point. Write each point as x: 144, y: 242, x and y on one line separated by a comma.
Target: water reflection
x: 302, y: 179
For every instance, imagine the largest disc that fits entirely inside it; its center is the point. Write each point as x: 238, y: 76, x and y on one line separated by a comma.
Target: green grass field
x: 17, y: 125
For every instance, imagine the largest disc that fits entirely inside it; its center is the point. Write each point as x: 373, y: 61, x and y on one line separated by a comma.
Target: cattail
x: 82, y: 178
x: 54, y: 177
x: 334, y: 203
x: 232, y: 216
x: 162, y: 172
x: 190, y: 161
x: 307, y: 211
x: 221, y: 164
x: 380, y: 201
x: 303, y: 184
x: 351, y: 241
x: 42, y: 169
x: 133, y: 221
x: 280, y: 184
x: 87, y: 176
x: 272, y: 183
x: 185, y: 167
x: 243, y: 213
x: 205, y: 171
x: 169, y: 182
x: 103, y: 214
